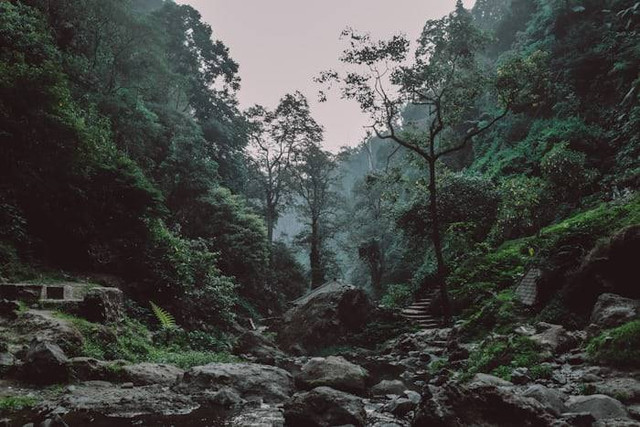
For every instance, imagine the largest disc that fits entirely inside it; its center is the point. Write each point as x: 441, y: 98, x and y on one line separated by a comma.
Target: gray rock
x: 413, y: 396
x: 258, y: 416
x: 227, y: 398
x: 249, y: 380
x: 42, y: 325
x: 552, y: 399
x: 520, y: 376
x: 56, y: 421
x: 256, y: 345
x: 335, y: 372
x: 324, y: 317
x: 554, y: 338
x: 480, y: 405
x: 108, y: 400
x: 88, y: 368
x: 7, y: 363
x: 600, y: 406
x: 385, y: 387
x: 46, y: 363
x: 624, y: 389
x: 324, y: 406
x: 481, y: 379
x: 103, y: 305
x: 578, y: 419
x: 152, y: 373
x: 616, y: 422
x: 612, y: 310
x: 400, y: 406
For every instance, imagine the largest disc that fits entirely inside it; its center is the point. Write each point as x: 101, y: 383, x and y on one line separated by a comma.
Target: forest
x: 224, y: 242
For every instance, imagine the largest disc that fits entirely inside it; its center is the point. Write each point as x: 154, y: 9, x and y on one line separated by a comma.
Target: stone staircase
x: 420, y: 314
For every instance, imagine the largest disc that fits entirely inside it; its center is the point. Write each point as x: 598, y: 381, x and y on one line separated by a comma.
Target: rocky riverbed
x: 402, y: 382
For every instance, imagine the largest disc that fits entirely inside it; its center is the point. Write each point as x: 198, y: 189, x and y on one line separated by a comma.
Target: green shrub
x: 618, y: 346
x: 497, y: 313
x: 132, y: 341
x: 500, y: 356
x: 398, y: 295
x: 10, y: 404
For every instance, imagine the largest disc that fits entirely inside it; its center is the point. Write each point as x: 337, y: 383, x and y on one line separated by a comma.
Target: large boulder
x: 46, y: 363
x: 600, y: 406
x: 42, y: 325
x: 612, y: 310
x: 610, y: 267
x: 324, y: 317
x: 248, y: 380
x: 335, y: 372
x: 152, y: 373
x: 480, y: 405
x: 103, y: 305
x: 125, y: 406
x: 323, y: 407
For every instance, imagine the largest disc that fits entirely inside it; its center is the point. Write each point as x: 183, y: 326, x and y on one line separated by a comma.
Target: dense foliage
x: 509, y: 139
x: 124, y: 153
x: 538, y: 188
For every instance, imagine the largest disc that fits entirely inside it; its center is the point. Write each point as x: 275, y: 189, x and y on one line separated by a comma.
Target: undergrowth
x: 130, y: 340
x: 618, y: 346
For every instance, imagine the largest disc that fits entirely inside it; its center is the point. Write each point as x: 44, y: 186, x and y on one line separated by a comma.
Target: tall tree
x: 314, y: 177
x: 276, y: 138
x: 445, y: 82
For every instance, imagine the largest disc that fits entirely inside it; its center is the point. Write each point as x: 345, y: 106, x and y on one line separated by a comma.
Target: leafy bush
x: 183, y: 275
x: 500, y: 356
x: 522, y: 212
x: 566, y: 171
x: 133, y: 342
x: 398, y: 295
x: 618, y: 346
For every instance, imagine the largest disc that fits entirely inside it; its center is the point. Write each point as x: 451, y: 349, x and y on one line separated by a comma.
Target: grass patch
x: 10, y: 404
x: 191, y: 358
x: 618, y: 346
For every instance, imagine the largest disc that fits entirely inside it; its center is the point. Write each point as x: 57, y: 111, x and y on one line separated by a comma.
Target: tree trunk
x: 317, y: 275
x: 376, y: 281
x: 269, y: 219
x: 270, y: 225
x: 436, y: 240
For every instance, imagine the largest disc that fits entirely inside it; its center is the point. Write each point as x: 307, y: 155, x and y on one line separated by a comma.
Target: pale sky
x: 282, y: 44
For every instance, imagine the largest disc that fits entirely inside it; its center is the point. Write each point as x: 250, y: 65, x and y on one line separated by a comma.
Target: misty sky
x: 282, y: 44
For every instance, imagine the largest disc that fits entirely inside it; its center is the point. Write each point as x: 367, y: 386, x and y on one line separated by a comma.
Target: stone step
x: 420, y: 317
x: 414, y: 311
x: 424, y: 306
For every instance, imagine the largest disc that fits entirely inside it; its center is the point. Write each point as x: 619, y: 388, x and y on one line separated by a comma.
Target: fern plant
x: 167, y: 321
